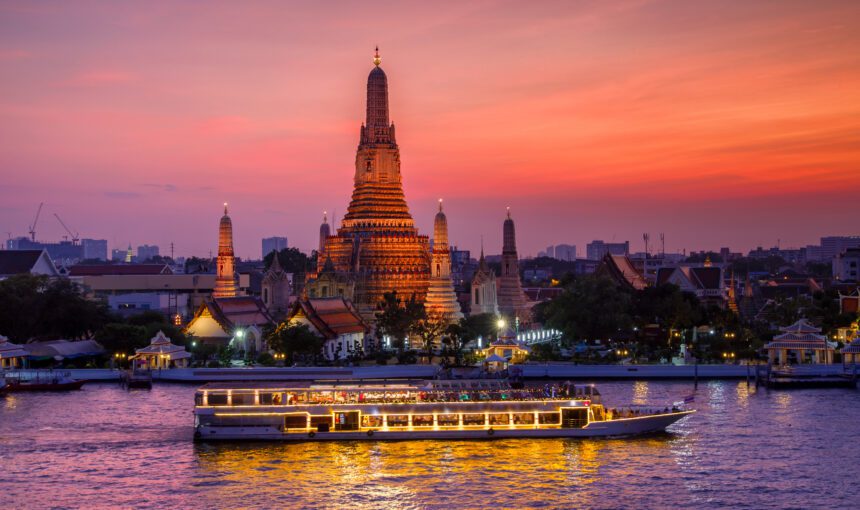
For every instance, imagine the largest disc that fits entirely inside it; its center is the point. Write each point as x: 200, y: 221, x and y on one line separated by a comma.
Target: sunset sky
x: 733, y: 123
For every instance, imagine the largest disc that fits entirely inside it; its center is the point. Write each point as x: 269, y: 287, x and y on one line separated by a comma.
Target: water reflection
x: 640, y: 393
x: 743, y: 392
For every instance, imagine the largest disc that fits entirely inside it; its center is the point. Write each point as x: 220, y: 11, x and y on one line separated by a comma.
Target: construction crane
x: 75, y: 236
x: 33, y: 226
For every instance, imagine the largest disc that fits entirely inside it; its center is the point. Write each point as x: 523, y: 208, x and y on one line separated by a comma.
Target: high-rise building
x: 377, y: 243
x: 511, y: 298
x: 94, y: 249
x: 846, y: 265
x: 118, y: 255
x: 441, y: 299
x: 225, y: 279
x: 597, y: 249
x: 565, y: 252
x: 146, y: 252
x: 271, y: 244
x: 835, y: 245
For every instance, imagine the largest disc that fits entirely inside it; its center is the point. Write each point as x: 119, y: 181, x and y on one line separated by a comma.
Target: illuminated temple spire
x: 325, y: 231
x: 441, y: 299
x: 377, y: 243
x: 512, y: 300
x: 225, y: 280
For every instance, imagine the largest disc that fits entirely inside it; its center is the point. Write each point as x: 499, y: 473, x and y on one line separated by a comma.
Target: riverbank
x: 530, y: 371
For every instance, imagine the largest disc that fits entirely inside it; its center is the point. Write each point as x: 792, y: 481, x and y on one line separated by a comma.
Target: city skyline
x: 590, y: 123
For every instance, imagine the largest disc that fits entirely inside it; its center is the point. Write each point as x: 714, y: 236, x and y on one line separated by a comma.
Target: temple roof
x: 800, y: 327
x: 852, y: 348
x: 160, y: 344
x: 230, y: 312
x: 23, y: 261
x: 10, y: 350
x: 620, y: 269
x: 331, y: 317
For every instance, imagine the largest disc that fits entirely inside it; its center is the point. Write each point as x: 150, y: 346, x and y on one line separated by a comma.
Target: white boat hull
x: 613, y: 428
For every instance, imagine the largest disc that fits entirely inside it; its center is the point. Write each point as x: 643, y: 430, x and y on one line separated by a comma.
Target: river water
x: 105, y: 447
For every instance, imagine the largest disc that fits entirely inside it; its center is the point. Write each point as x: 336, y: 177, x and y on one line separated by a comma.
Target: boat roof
x: 415, y: 385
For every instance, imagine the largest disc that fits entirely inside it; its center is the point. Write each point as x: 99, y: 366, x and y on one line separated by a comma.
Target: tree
x: 197, y: 265
x: 397, y: 319
x: 430, y: 329
x: 668, y: 306
x: 35, y: 306
x: 124, y: 338
x: 591, y: 307
x: 294, y: 339
x: 292, y: 260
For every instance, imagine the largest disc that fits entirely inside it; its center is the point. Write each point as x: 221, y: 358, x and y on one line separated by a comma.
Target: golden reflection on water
x: 743, y: 391
x: 783, y: 399
x: 640, y: 393
x: 403, y: 474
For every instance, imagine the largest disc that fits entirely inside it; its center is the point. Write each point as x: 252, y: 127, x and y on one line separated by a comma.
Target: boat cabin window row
x: 326, y: 397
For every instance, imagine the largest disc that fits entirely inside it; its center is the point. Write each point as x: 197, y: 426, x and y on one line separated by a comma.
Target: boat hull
x: 64, y: 386
x: 613, y: 428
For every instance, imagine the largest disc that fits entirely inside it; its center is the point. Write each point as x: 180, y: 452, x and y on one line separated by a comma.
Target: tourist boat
x: 463, y: 409
x: 41, y: 381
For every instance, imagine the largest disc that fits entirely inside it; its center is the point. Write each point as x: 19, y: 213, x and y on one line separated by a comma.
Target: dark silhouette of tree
x: 397, y: 319
x: 293, y: 340
x: 38, y: 307
x: 592, y: 307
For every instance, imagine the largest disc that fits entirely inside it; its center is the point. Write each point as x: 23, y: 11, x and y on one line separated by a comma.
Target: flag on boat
x: 690, y: 399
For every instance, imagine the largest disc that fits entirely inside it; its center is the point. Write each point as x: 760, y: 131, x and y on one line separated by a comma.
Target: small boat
x: 136, y: 378
x: 41, y: 381
x: 461, y: 409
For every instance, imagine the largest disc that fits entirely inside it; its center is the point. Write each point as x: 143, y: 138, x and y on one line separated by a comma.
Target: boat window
x: 295, y: 421
x: 268, y: 399
x: 398, y: 420
x: 499, y: 419
x: 243, y: 399
x: 575, y: 418
x: 524, y: 418
x: 217, y: 399
x: 198, y: 399
x: 448, y: 420
x: 549, y: 418
x: 321, y: 421
x: 422, y: 420
x: 371, y: 421
x: 473, y: 419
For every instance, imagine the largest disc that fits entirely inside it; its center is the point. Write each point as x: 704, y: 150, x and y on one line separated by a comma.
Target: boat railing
x: 637, y: 411
x: 37, y: 376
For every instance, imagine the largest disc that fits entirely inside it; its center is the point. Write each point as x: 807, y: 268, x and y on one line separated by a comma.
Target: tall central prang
x: 377, y: 243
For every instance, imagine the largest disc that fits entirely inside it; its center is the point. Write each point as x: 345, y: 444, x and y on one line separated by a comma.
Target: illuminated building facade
x: 225, y: 280
x: 441, y: 299
x: 512, y: 300
x: 377, y: 243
